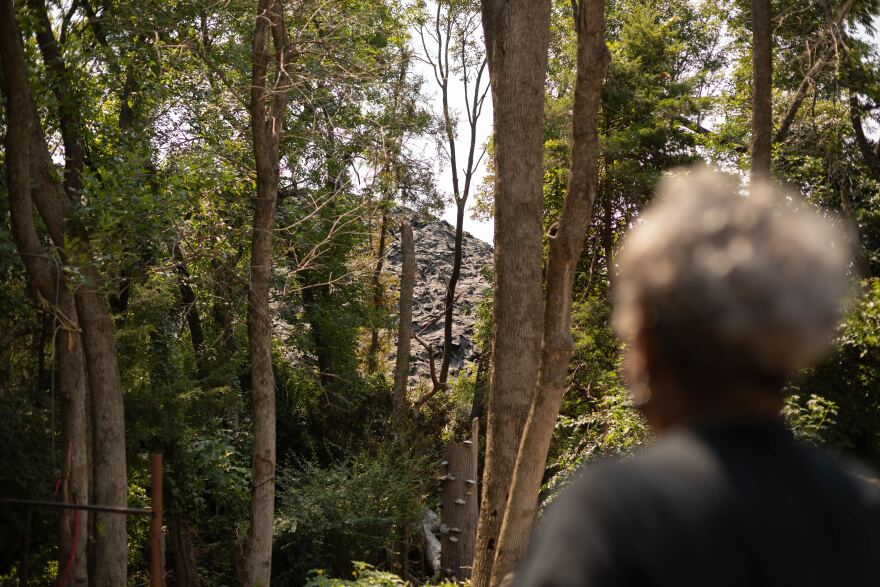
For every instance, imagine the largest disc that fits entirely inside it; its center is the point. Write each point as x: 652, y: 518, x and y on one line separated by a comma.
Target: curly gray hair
x: 731, y: 287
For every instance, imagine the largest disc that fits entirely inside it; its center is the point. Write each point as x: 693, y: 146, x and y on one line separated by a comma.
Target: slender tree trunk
x: 870, y: 151
x: 75, y: 469
x: 373, y: 352
x: 266, y: 127
x: 180, y: 544
x: 449, y: 309
x: 608, y: 232
x: 404, y: 328
x: 860, y: 256
x: 222, y: 310
x: 516, y: 34
x: 565, y: 250
x: 762, y: 88
x: 190, y: 311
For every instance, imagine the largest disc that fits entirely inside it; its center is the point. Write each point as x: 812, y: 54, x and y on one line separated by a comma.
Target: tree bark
x: 266, y: 127
x: 762, y: 101
x: 459, y: 504
x: 190, y: 311
x: 87, y: 308
x: 52, y: 292
x: 404, y: 328
x: 566, y: 243
x: 516, y: 34
x: 182, y: 552
x: 373, y: 352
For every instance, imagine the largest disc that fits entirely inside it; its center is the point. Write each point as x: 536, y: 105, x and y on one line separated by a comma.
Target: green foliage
x: 364, y: 575
x: 810, y: 419
x: 353, y: 510
x: 846, y: 387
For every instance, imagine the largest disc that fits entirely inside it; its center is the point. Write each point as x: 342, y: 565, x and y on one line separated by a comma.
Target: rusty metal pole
x: 157, y: 571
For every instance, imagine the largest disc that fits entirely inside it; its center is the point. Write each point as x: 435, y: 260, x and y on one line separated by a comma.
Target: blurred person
x: 721, y: 299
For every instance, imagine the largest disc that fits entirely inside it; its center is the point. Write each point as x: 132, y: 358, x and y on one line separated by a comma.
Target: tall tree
x: 57, y: 201
x: 762, y: 88
x: 404, y: 330
x: 266, y: 108
x: 566, y: 243
x: 454, y: 57
x: 52, y: 292
x: 516, y: 35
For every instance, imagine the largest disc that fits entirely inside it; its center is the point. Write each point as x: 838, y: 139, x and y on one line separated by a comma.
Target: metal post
x: 157, y: 571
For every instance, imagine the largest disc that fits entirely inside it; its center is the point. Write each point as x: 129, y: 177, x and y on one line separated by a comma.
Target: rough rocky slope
x: 435, y: 243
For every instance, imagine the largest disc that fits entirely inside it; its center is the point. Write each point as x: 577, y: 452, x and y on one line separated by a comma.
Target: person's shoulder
x: 614, y: 479
x: 848, y: 473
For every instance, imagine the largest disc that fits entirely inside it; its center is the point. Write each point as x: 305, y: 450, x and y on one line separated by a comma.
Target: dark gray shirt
x: 732, y: 505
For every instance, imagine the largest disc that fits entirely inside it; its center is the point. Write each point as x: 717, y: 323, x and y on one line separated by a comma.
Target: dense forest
x: 214, y: 226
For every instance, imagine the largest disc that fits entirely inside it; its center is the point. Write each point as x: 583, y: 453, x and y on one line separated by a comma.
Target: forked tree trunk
x: 460, y: 508
x: 762, y: 103
x: 566, y: 243
x: 52, y: 292
x: 516, y: 34
x: 404, y: 328
x: 31, y: 182
x: 266, y: 127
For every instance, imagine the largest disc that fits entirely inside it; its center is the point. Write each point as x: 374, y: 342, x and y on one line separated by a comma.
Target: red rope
x: 71, y: 556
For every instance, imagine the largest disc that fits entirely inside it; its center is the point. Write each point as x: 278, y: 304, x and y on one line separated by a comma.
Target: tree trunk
x: 110, y: 484
x: 870, y: 151
x: 762, y: 74
x: 449, y: 308
x: 565, y: 250
x: 373, y: 352
x: 516, y: 34
x: 860, y: 256
x: 51, y: 291
x: 459, y: 503
x: 266, y: 127
x: 190, y: 311
x: 75, y: 468
x: 182, y: 553
x: 404, y: 328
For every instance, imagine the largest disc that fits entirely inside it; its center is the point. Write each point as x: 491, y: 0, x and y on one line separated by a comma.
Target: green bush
x: 358, y: 509
x: 363, y: 575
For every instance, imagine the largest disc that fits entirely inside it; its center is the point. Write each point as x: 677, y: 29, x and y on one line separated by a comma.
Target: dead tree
x: 460, y: 508
x: 444, y: 58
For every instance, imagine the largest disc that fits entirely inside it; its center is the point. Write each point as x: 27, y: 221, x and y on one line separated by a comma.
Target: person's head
x: 723, y: 296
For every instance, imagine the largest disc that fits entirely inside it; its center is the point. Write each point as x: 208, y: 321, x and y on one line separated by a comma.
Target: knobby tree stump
x: 459, y: 504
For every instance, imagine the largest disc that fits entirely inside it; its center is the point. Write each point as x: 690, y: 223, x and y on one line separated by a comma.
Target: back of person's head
x: 728, y: 287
